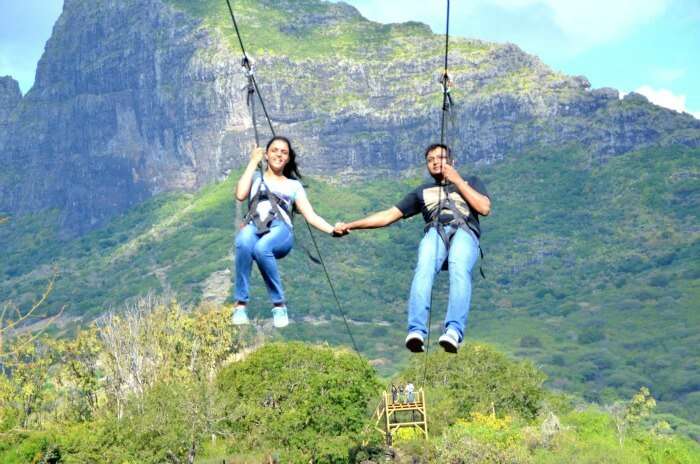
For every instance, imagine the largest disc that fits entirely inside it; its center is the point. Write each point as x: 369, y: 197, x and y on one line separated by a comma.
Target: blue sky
x: 650, y: 46
x: 25, y: 26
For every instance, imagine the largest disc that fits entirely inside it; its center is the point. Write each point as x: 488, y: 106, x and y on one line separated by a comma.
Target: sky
x: 648, y: 46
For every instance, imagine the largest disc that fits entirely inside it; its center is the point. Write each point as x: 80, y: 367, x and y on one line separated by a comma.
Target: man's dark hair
x: 438, y: 145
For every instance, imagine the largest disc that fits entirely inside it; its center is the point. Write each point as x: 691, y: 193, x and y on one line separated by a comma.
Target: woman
x: 266, y: 233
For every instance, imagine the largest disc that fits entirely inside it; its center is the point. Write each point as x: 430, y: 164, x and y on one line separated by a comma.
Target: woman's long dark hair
x: 291, y: 170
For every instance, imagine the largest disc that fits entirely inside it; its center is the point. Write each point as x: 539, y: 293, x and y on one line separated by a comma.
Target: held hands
x: 340, y: 229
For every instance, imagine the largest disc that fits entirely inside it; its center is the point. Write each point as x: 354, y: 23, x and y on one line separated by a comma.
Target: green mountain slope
x: 592, y: 269
x: 313, y: 29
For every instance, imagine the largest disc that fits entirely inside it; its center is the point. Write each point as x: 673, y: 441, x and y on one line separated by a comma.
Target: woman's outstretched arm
x: 306, y: 210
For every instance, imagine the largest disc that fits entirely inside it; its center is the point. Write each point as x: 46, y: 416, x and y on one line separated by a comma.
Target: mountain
x: 138, y: 97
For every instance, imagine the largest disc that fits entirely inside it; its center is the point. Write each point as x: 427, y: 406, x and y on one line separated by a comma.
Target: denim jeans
x: 265, y: 250
x: 463, y: 253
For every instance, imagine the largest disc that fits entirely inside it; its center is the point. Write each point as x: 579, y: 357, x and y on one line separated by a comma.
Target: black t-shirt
x: 425, y: 198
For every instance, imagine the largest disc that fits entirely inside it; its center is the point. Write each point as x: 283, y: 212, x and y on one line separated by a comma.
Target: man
x: 451, y: 206
x: 410, y: 398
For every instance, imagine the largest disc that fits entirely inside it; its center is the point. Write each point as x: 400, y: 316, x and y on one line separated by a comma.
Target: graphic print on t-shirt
x: 424, y: 199
x: 287, y: 191
x: 433, y: 195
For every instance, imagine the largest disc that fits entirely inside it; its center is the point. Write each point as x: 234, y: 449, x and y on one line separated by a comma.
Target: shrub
x: 477, y: 379
x: 309, y: 401
x: 530, y: 341
x: 591, y: 335
x: 483, y: 439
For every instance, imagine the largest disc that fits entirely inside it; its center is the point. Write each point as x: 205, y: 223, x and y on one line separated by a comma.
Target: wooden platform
x: 388, y: 421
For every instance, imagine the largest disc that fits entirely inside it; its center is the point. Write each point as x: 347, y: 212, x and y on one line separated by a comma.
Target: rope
x: 446, y: 105
x: 335, y: 296
x: 446, y: 100
x: 256, y: 90
x: 250, y: 101
x: 246, y: 64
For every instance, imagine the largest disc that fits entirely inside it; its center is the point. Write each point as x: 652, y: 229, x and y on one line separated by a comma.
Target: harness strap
x: 458, y: 221
x: 263, y: 226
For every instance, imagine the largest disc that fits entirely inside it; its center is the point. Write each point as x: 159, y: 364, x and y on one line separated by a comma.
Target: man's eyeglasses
x: 432, y: 159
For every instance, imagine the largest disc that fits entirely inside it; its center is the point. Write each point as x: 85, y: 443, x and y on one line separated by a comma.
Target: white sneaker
x: 279, y: 317
x: 414, y: 342
x: 449, y: 341
x: 240, y: 316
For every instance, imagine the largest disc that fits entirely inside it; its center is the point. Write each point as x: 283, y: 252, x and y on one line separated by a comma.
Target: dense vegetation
x: 592, y: 269
x: 156, y: 383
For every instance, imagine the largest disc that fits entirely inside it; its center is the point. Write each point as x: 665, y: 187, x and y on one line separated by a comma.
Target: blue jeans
x: 265, y: 250
x: 464, y: 250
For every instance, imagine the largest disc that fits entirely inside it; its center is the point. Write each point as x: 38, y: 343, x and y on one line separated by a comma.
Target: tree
x: 160, y: 364
x: 24, y: 360
x: 627, y: 414
x: 26, y: 370
x: 312, y: 402
x: 157, y: 342
x: 78, y: 374
x: 477, y: 379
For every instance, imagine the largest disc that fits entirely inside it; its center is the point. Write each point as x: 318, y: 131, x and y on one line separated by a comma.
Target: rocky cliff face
x: 10, y: 96
x: 113, y: 114
x: 136, y: 97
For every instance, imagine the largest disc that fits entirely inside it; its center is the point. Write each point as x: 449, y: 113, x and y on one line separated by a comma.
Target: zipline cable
x: 446, y: 99
x: 254, y: 89
x: 246, y: 64
x: 446, y: 105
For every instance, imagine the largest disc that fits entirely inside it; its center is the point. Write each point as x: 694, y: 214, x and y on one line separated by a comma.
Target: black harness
x: 457, y: 221
x: 277, y: 205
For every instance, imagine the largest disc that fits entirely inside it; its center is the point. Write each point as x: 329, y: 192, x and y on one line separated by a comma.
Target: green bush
x: 483, y: 440
x: 309, y: 401
x: 32, y: 447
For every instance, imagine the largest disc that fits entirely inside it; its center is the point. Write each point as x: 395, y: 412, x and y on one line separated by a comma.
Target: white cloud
x: 667, y: 99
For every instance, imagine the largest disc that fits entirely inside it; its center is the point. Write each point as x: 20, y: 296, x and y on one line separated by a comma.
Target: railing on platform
x: 391, y: 414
